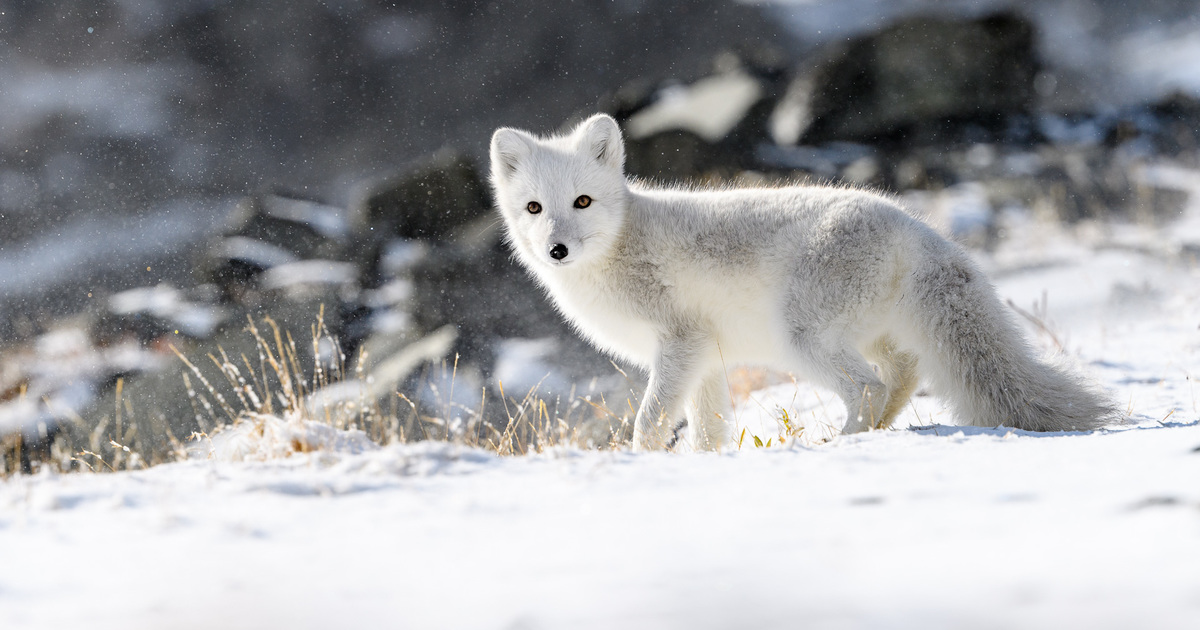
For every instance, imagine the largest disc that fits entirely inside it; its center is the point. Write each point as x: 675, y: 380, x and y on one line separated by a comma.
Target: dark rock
x: 632, y: 97
x: 679, y: 132
x: 428, y: 201
x: 1179, y: 117
x: 163, y: 403
x: 671, y: 156
x: 825, y: 161
x: 47, y: 387
x: 485, y: 294
x: 152, y: 313
x: 920, y: 80
x: 357, y: 326
x: 1067, y: 182
x: 306, y: 228
x: 269, y: 230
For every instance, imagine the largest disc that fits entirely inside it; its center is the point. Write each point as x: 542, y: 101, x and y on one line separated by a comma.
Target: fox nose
x: 558, y: 251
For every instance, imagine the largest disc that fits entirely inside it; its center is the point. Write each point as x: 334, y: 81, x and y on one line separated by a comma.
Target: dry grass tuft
x: 276, y: 395
x: 330, y: 392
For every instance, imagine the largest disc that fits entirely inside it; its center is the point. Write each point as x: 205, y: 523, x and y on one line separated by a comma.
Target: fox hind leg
x: 845, y: 371
x: 898, y: 370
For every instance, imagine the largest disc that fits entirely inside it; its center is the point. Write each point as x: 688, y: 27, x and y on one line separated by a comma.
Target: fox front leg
x: 674, y: 373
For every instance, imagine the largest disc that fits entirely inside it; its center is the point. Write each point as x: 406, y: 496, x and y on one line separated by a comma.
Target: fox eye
x: 534, y: 207
x: 583, y: 201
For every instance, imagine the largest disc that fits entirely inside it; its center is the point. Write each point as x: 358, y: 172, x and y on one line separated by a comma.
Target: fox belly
x: 740, y: 308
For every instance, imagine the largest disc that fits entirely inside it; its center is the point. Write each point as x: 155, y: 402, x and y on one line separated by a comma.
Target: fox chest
x: 610, y: 319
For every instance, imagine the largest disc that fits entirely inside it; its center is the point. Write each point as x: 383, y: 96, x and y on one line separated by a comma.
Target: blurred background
x: 171, y: 168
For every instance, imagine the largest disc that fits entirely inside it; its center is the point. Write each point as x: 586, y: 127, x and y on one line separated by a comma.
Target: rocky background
x: 170, y: 171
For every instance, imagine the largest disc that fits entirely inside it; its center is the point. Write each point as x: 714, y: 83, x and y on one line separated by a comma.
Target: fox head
x: 563, y: 198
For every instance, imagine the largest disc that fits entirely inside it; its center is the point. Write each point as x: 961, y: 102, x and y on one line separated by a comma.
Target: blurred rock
x: 1060, y: 182
x: 303, y: 227
x: 681, y: 132
x: 429, y: 200
x: 709, y: 108
x: 1179, y: 118
x: 825, y: 161
x: 47, y: 389
x: 918, y: 81
x: 489, y: 297
x: 268, y: 230
x: 164, y: 400
x: 151, y: 313
x: 675, y: 156
x: 1091, y: 183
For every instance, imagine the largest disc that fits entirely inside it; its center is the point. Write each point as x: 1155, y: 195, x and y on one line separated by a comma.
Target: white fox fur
x: 818, y: 280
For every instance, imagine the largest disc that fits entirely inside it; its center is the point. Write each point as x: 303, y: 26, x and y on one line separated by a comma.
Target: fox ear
x: 601, y: 137
x: 509, y: 148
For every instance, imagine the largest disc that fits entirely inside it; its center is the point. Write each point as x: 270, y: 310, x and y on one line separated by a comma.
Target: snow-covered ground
x: 925, y: 526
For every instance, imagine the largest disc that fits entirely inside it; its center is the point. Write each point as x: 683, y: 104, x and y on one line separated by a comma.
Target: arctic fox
x: 813, y: 279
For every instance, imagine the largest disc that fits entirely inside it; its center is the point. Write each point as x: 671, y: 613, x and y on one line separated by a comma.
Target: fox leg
x: 675, y: 373
x: 846, y: 372
x: 706, y: 410
x: 899, y: 372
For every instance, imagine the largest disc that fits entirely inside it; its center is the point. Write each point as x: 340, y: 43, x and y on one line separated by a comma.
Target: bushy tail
x: 977, y: 358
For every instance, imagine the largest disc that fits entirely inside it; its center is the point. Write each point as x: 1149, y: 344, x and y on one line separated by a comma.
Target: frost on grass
x: 262, y: 437
x: 277, y: 407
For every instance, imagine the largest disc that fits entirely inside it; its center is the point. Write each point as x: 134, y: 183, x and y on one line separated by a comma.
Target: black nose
x: 558, y: 252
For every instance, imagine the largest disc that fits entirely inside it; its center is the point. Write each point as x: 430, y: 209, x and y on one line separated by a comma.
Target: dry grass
x: 123, y: 440
x: 328, y: 389
x: 275, y: 383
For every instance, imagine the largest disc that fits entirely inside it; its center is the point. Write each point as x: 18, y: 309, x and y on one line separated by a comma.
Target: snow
x: 710, y: 108
x: 254, y: 251
x: 1163, y: 58
x: 100, y: 245
x: 524, y: 365
x: 56, y: 381
x: 328, y: 221
x: 933, y: 528
x: 169, y: 305
x: 924, y: 526
x: 262, y: 437
x: 311, y: 272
